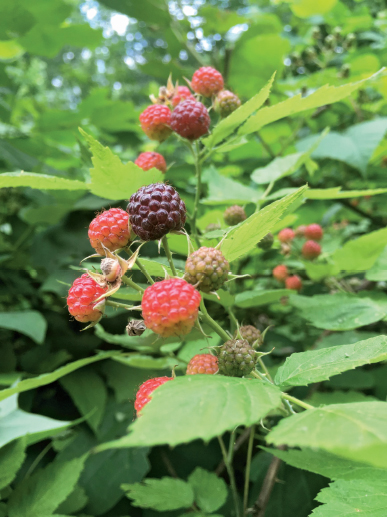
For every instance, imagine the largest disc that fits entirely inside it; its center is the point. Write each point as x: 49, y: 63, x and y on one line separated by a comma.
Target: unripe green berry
x: 267, y: 242
x: 207, y: 268
x: 236, y: 358
x: 251, y: 334
x: 226, y: 102
x: 234, y: 215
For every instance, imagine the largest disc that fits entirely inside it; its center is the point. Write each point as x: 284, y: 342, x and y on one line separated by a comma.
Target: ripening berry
x: 207, y: 269
x: 207, y: 81
x: 111, y: 229
x: 182, y: 93
x: 286, y: 235
x: 300, y: 231
x: 251, y: 334
x: 266, y: 242
x: 149, y: 160
x: 281, y: 273
x: 226, y: 102
x: 170, y: 307
x: 311, y: 250
x: 190, y: 119
x: 81, y: 299
x: 314, y: 232
x: 155, y: 122
x: 293, y: 282
x: 145, y: 391
x: 234, y: 215
x: 203, y: 364
x: 236, y: 358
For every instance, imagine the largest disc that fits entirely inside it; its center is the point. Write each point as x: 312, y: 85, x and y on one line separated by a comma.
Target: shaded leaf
x: 256, y: 298
x: 210, y: 490
x: 160, y: 494
x: 12, y: 456
x: 30, y: 323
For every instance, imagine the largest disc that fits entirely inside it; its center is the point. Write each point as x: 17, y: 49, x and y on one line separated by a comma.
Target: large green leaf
x: 12, y: 456
x: 160, y: 494
x: 324, y: 95
x: 256, y: 298
x: 319, y: 365
x: 232, y: 402
x: 149, y: 11
x: 43, y: 492
x: 30, y: 323
x: 39, y: 181
x: 222, y: 190
x: 210, y: 490
x: 110, y: 178
x: 356, y: 431
x: 361, y: 254
x: 378, y: 272
x: 337, y: 193
x: 307, y: 8
x: 245, y: 236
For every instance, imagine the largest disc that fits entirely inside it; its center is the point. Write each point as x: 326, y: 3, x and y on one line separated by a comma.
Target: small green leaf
x: 307, y: 8
x: 256, y: 298
x: 40, y: 181
x: 12, y: 456
x: 160, y: 494
x: 30, y: 323
x: 361, y: 254
x: 319, y: 365
x: 210, y: 490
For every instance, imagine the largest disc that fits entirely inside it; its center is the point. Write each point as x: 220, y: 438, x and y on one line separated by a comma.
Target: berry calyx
x: 226, y: 102
x: 111, y: 229
x: 81, y: 299
x: 143, y: 395
x: 311, y: 250
x: 170, y: 307
x: 280, y: 273
x: 234, y: 215
x: 236, y: 358
x: 155, y: 210
x: 293, y: 282
x: 190, y: 119
x: 111, y: 269
x: 149, y: 160
x: 155, y: 122
x: 207, y: 81
x: 286, y: 235
x: 207, y: 268
x: 203, y: 364
x: 182, y: 93
x: 314, y: 232
x: 267, y: 242
x: 251, y: 334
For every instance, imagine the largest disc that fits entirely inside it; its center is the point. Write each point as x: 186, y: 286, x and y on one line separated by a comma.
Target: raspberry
x: 148, y: 160
x: 311, y: 250
x: 236, y: 358
x: 293, y: 282
x: 280, y: 273
x: 207, y: 81
x: 170, y: 307
x: 234, y: 215
x: 208, y: 268
x: 190, y: 119
x: 250, y: 334
x: 203, y: 363
x: 300, y: 231
x: 286, y: 235
x: 155, y: 122
x: 267, y: 242
x: 156, y: 210
x: 226, y: 102
x: 143, y: 395
x: 81, y: 297
x: 314, y: 232
x: 182, y: 93
x: 111, y: 228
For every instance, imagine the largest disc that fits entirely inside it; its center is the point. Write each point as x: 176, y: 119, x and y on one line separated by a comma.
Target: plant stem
x: 129, y: 282
x: 207, y: 318
x: 230, y: 472
x: 141, y: 267
x: 169, y: 255
x: 198, y: 170
x: 118, y: 305
x: 248, y: 467
x: 234, y: 321
x: 296, y: 401
x: 264, y: 368
x: 231, y: 446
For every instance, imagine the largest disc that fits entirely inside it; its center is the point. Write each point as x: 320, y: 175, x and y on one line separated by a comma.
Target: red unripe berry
x: 155, y: 122
x: 203, y: 363
x: 149, y: 160
x: 311, y: 249
x: 190, y: 119
x: 293, y: 282
x: 281, y: 273
x: 182, y: 93
x: 300, y: 231
x: 145, y: 391
x: 207, y: 81
x: 110, y: 228
x: 81, y: 299
x: 170, y: 307
x: 286, y: 235
x: 314, y: 232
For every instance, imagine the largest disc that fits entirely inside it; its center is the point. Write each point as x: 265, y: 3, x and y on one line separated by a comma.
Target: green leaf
x: 12, y: 456
x: 317, y: 271
x: 233, y: 402
x: 237, y: 117
x: 355, y: 430
x: 245, y: 236
x: 110, y: 178
x: 360, y: 254
x: 43, y: 492
x: 10, y: 49
x: 155, y: 268
x: 339, y: 311
x: 256, y: 298
x: 160, y: 494
x: 88, y: 391
x: 219, y: 21
x: 307, y: 8
x: 296, y: 104
x: 30, y: 323
x: 337, y: 193
x: 319, y: 365
x: 378, y: 272
x: 223, y: 190
x: 39, y: 181
x: 149, y: 11
x: 47, y: 378
x: 210, y: 491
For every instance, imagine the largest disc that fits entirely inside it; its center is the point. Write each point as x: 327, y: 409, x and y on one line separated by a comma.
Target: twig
x: 231, y: 475
x: 248, y: 467
x: 169, y: 255
x: 238, y: 444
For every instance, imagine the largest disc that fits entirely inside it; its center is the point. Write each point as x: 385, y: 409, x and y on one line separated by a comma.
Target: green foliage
x: 210, y: 491
x: 30, y: 323
x: 11, y: 459
x: 161, y: 494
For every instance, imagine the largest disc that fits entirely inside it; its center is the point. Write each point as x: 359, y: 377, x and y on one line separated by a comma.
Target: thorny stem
x: 169, y: 255
x: 230, y: 472
x: 248, y: 467
x: 212, y: 323
x: 130, y: 283
x: 198, y: 170
x: 118, y: 305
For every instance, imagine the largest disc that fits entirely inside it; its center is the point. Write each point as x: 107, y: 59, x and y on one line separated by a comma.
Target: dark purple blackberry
x: 155, y: 210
